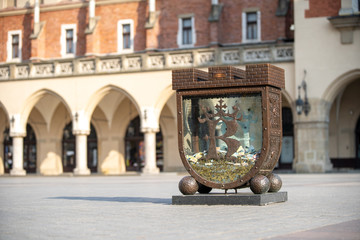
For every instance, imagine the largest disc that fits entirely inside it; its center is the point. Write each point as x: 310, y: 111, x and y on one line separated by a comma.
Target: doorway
x: 135, y: 147
x: 287, y: 152
x: 69, y: 149
x: 29, y: 151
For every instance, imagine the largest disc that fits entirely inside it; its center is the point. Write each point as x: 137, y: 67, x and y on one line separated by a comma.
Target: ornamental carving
x: 284, y: 53
x: 207, y: 58
x: 230, y: 57
x: 134, y: 63
x: 270, y: 161
x: 22, y: 71
x: 66, y: 68
x: 44, y: 70
x: 4, y: 73
x: 180, y: 60
x: 87, y: 67
x: 110, y: 65
x: 257, y: 55
x: 156, y: 61
x: 274, y: 100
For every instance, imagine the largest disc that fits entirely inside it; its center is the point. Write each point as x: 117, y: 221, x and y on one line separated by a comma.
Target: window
x: 14, y: 46
x: 251, y: 26
x: 68, y: 40
x: 126, y: 35
x: 186, y: 31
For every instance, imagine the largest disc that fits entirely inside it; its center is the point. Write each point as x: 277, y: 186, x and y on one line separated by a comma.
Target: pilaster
x: 312, y: 140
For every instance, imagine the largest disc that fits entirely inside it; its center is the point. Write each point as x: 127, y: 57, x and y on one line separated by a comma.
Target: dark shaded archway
x: 69, y: 149
x: 135, y: 148
x: 29, y: 156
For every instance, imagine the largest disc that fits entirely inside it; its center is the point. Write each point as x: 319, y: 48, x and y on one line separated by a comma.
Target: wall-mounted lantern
x: 229, y: 127
x: 303, y: 106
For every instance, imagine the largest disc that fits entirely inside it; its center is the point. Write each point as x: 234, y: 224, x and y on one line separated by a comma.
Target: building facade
x: 85, y: 86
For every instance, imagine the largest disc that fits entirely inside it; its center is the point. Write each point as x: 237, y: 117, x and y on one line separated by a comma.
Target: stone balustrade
x: 161, y: 60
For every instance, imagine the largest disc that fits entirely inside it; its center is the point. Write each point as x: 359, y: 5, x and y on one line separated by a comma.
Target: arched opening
x: 29, y: 156
x: 344, y: 127
x: 287, y: 152
x: 69, y: 149
x: 135, y: 148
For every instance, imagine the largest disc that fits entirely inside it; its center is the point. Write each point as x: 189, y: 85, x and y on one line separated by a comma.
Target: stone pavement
x: 320, y: 206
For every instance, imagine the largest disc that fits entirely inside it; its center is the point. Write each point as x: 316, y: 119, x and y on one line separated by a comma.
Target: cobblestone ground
x: 139, y: 207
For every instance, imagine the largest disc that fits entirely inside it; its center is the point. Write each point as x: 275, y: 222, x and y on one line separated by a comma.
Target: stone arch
x: 33, y: 99
x: 110, y: 110
x: 338, y: 85
x: 343, y: 111
x: 101, y: 93
x: 164, y: 97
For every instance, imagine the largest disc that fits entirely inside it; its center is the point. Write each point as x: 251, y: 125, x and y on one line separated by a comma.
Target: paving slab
x: 140, y: 207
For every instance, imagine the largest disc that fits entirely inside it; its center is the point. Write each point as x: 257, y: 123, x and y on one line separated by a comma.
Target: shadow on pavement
x: 166, y: 201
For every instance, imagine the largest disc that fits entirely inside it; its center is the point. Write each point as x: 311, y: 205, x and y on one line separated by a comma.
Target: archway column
x: 150, y: 126
x: 17, y: 132
x: 81, y: 130
x: 312, y: 140
x: 150, y: 151
x: 18, y: 156
x: 81, y: 155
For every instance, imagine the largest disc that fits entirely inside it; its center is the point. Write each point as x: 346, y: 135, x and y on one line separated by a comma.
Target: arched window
x: 135, y: 148
x: 69, y: 149
x: 29, y: 156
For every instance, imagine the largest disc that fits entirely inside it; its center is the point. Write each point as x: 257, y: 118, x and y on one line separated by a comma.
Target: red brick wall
x: 111, y: 14
x: 52, y: 34
x: 20, y: 22
x: 323, y: 8
x: 169, y: 15
x: 163, y: 36
x: 272, y: 27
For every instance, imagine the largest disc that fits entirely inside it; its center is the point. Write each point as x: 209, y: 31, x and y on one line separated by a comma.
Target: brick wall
x: 20, y: 22
x: 323, y: 8
x: 163, y: 36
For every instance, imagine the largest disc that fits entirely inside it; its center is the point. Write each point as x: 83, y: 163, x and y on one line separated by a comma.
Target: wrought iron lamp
x: 303, y: 105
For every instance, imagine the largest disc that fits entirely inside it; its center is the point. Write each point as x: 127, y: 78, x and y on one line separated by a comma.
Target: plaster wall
x: 318, y: 50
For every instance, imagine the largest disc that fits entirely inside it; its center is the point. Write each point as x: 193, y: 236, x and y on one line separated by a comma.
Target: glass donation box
x: 229, y: 127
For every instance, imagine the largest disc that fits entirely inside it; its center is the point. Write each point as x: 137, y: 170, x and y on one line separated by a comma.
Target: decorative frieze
x: 110, y: 65
x: 242, y: 54
x: 87, y: 67
x: 134, y: 63
x: 257, y: 55
x: 181, y: 60
x: 284, y: 53
x: 4, y: 73
x: 230, y: 57
x: 206, y: 58
x: 65, y: 68
x: 22, y: 71
x: 156, y: 61
x: 43, y: 70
